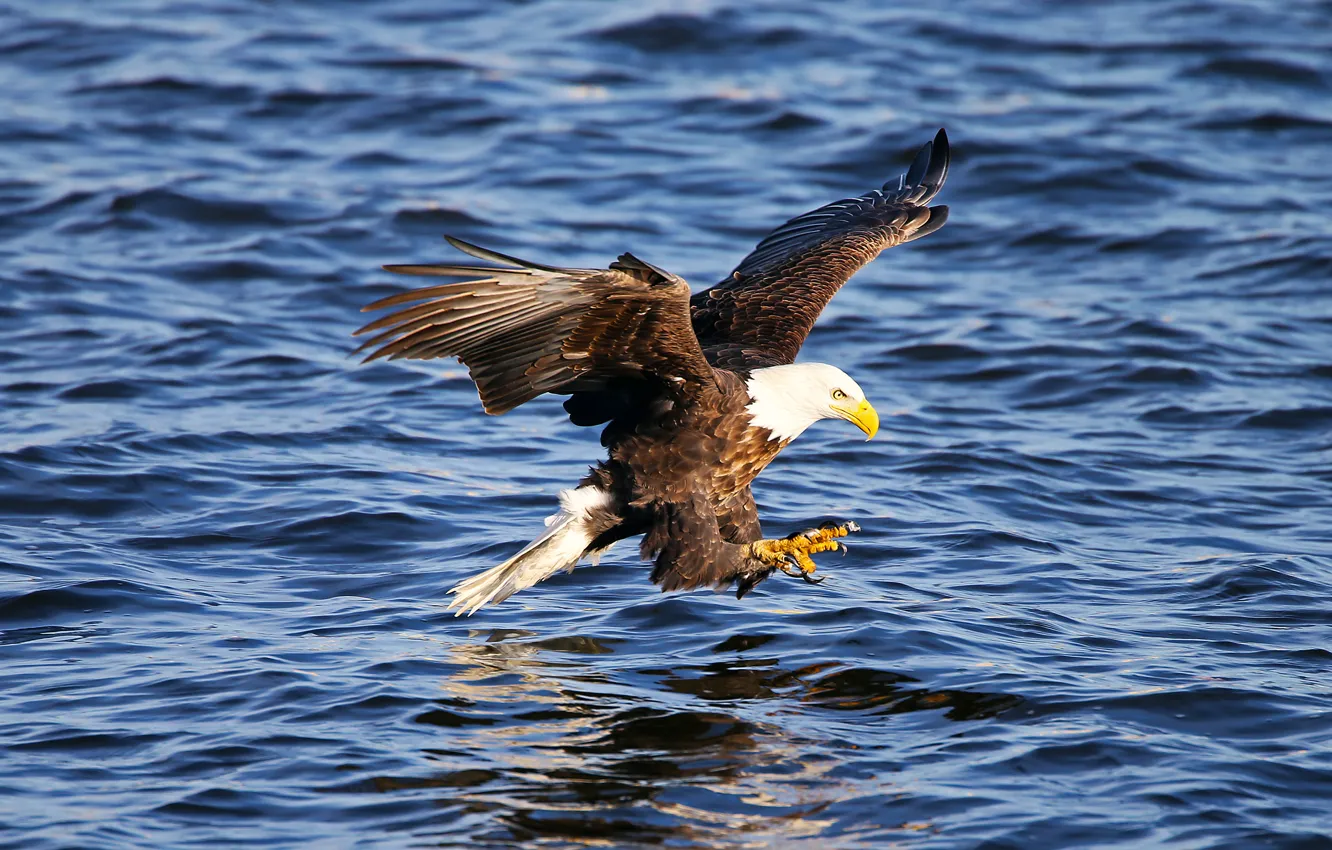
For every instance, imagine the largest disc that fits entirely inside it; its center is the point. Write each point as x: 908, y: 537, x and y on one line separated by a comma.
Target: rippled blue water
x: 1090, y: 604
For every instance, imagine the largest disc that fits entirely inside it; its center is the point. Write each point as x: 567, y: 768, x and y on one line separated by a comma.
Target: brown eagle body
x: 697, y: 393
x: 693, y: 501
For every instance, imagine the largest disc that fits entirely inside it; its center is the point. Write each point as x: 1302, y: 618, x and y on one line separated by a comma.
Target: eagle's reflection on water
x: 534, y: 744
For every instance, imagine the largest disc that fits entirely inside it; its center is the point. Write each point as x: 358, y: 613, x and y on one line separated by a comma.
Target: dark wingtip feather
x: 479, y: 252
x: 939, y: 159
x: 496, y: 257
x: 916, y: 173
x: 655, y: 275
x: 930, y: 167
x: 938, y: 217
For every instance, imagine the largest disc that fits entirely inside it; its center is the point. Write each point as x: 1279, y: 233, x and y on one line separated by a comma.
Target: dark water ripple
x: 1089, y: 607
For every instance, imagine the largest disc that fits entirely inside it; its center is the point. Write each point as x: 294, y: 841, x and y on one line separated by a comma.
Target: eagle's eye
x: 838, y: 395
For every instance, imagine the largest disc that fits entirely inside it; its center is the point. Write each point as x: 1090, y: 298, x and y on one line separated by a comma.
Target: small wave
x: 715, y: 33
x: 99, y: 596
x: 165, y: 92
x: 437, y: 220
x: 172, y: 206
x: 1319, y: 417
x: 1264, y: 121
x: 407, y: 64
x: 1255, y: 69
x: 113, y: 390
x: 934, y: 352
x: 1254, y: 580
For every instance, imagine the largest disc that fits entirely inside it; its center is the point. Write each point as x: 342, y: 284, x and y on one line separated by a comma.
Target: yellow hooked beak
x: 862, y: 415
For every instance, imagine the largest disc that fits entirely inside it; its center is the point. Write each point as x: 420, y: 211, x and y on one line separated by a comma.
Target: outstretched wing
x: 761, y: 314
x: 530, y: 329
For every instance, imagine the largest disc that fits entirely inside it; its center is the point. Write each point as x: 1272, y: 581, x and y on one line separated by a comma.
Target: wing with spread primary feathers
x: 529, y: 329
x: 761, y: 314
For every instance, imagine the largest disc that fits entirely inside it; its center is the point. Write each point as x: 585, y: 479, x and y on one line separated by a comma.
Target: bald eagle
x: 696, y: 393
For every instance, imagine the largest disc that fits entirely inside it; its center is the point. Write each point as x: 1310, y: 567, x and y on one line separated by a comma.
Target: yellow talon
x: 792, y: 555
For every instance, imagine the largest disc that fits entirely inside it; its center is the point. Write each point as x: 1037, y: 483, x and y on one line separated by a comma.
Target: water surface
x: 1090, y: 603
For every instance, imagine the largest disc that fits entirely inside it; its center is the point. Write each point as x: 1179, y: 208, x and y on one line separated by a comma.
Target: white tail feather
x: 565, y: 540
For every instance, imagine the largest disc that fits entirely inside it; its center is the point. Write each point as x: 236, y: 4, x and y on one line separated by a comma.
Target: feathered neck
x: 788, y: 399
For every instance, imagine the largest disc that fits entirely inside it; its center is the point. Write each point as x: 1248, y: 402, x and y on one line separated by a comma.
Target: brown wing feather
x: 761, y: 314
x: 531, y: 329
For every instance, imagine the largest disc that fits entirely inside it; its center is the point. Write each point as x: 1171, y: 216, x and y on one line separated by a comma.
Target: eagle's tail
x: 585, y: 513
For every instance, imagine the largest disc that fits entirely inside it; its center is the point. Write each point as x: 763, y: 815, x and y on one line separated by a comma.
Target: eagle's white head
x: 788, y: 399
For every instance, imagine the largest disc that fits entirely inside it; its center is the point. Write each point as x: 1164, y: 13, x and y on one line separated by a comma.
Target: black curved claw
x: 810, y: 579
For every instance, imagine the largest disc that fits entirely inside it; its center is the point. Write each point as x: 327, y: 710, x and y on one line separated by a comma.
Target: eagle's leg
x: 792, y: 554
